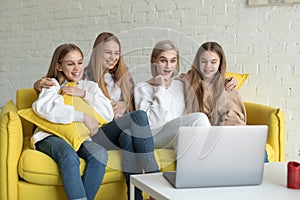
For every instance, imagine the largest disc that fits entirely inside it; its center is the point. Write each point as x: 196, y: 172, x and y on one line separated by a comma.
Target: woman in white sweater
x: 67, y: 66
x: 162, y: 97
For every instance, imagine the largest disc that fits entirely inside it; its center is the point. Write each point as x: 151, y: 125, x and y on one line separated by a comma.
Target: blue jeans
x: 130, y: 133
x: 77, y: 187
x: 266, y: 157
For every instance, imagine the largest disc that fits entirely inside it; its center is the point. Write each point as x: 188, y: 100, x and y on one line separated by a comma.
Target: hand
x: 160, y: 80
x: 43, y: 83
x: 72, y: 91
x: 119, y: 108
x: 231, y: 84
x: 91, y: 123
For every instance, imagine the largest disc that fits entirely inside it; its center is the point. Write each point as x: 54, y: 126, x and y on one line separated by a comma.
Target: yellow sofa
x: 28, y: 174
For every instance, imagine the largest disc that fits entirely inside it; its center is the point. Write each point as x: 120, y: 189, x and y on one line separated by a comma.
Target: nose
x: 168, y: 64
x: 113, y: 56
x: 77, y: 66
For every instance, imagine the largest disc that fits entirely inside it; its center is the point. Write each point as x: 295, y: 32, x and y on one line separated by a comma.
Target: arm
x: 43, y: 83
x: 151, y: 100
x: 95, y: 98
x: 50, y: 105
x: 235, y: 113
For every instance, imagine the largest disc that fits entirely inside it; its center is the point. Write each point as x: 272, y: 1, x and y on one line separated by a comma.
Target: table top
x: 273, y: 187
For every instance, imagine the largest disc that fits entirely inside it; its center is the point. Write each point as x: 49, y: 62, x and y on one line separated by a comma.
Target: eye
x: 163, y: 60
x: 173, y: 60
x: 70, y: 64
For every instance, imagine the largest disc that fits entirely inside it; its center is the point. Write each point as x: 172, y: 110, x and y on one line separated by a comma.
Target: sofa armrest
x: 258, y: 114
x: 24, y: 99
x: 11, y: 144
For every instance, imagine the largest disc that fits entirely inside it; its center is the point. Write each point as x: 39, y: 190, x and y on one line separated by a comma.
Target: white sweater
x: 50, y: 106
x: 161, y: 104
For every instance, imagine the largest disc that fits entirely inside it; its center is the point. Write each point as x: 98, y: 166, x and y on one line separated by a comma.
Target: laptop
x: 219, y: 156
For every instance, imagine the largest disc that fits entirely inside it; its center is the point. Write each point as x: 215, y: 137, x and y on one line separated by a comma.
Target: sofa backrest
x: 24, y: 99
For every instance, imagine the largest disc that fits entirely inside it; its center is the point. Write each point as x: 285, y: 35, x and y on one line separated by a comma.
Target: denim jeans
x: 77, y: 187
x: 131, y: 134
x: 266, y: 157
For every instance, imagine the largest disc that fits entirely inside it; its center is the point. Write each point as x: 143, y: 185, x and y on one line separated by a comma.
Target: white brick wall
x: 262, y: 41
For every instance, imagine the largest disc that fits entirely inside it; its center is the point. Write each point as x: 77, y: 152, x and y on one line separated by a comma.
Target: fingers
x: 94, y: 131
x: 46, y: 82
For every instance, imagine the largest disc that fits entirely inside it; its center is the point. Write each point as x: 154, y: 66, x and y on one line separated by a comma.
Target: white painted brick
x: 188, y: 4
x: 261, y: 41
x: 142, y: 6
x: 219, y: 10
x: 140, y: 17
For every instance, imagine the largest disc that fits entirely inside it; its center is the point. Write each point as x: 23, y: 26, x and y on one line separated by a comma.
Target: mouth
x: 166, y: 72
x: 76, y: 74
x: 111, y: 63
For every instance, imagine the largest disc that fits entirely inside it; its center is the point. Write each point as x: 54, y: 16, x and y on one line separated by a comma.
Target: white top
x: 113, y: 89
x: 50, y: 106
x: 161, y: 104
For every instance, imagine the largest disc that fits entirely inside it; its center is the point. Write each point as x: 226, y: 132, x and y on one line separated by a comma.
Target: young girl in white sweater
x: 67, y: 66
x: 162, y: 97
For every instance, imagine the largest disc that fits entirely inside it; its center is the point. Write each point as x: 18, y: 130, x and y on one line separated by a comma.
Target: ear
x: 153, y: 60
x: 58, y: 67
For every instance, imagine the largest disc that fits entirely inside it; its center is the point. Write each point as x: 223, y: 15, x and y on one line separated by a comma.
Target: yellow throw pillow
x: 74, y: 133
x: 241, y: 78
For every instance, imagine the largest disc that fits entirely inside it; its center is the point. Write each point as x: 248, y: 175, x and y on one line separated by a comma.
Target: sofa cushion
x: 74, y: 133
x: 38, y: 168
x: 241, y: 78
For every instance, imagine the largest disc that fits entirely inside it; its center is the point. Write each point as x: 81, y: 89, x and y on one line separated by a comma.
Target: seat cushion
x: 38, y: 168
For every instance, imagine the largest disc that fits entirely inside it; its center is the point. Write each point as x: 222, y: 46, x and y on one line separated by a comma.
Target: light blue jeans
x: 77, y: 187
x: 131, y: 134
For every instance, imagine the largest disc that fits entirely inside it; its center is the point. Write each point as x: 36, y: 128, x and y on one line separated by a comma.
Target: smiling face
x: 71, y: 66
x: 166, y: 63
x: 110, y: 54
x: 209, y: 64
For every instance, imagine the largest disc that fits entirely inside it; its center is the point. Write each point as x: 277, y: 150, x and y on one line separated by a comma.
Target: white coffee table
x: 273, y: 187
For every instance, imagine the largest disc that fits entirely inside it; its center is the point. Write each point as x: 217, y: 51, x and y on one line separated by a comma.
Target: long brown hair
x: 59, y: 53
x: 161, y: 46
x: 95, y: 70
x: 195, y: 82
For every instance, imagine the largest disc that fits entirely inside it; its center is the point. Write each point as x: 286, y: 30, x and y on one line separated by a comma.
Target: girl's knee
x: 140, y: 113
x: 201, y: 119
x: 140, y: 117
x: 69, y: 158
x: 101, y: 155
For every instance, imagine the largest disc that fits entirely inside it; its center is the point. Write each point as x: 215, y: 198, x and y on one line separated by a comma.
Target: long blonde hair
x: 194, y: 81
x: 59, y: 53
x: 95, y: 70
x: 161, y: 46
